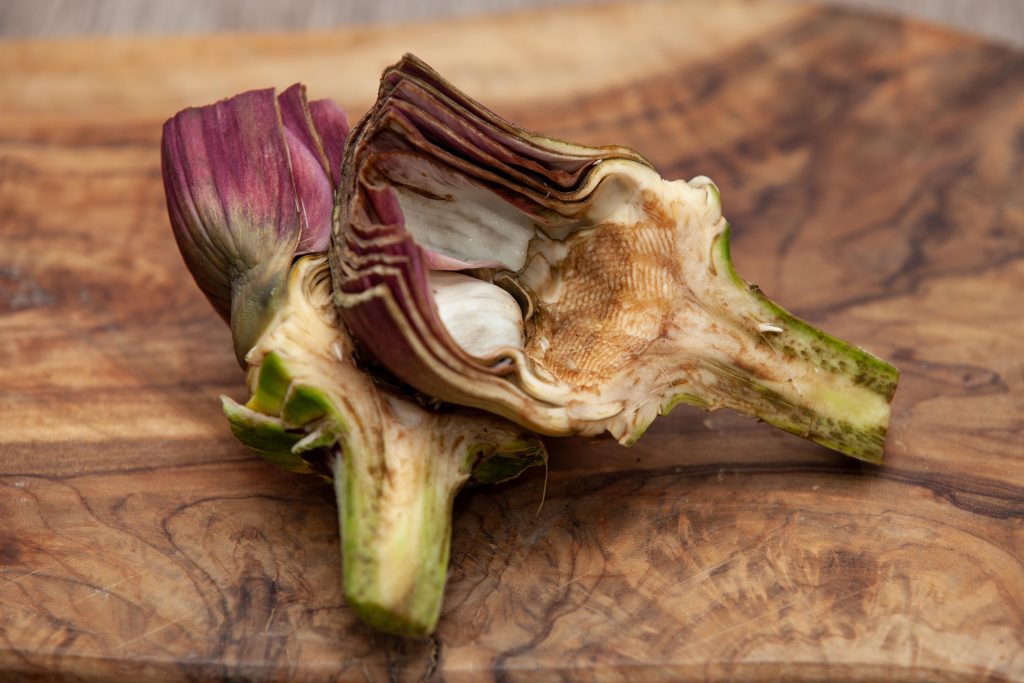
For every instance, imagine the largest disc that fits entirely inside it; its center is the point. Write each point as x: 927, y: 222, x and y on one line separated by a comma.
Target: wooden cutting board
x: 873, y: 171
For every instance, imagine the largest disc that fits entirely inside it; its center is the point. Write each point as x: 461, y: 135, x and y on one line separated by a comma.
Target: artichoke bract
x: 249, y: 184
x: 570, y: 289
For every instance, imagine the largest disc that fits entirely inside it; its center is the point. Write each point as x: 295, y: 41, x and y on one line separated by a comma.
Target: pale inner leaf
x: 449, y: 215
x: 481, y: 318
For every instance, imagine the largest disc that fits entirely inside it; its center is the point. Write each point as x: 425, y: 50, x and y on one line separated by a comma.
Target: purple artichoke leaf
x: 249, y: 185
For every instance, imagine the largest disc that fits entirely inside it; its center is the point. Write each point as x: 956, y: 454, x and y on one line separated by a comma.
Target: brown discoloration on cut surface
x: 753, y: 370
x: 872, y: 170
x: 625, y: 287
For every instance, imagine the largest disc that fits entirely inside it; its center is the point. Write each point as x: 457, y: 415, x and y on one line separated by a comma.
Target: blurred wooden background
x: 999, y: 19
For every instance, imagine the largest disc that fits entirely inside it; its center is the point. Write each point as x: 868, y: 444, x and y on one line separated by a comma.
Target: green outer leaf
x: 265, y: 435
x: 305, y: 403
x: 271, y: 386
x: 495, y: 467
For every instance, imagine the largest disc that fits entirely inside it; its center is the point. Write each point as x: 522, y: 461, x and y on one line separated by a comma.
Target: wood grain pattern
x: 872, y: 172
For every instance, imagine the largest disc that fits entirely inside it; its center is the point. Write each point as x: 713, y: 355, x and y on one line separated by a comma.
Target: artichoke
x: 570, y: 289
x: 396, y: 465
x: 249, y: 185
x: 409, y: 298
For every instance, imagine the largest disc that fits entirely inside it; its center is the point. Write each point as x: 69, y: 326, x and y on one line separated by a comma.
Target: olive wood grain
x: 873, y: 172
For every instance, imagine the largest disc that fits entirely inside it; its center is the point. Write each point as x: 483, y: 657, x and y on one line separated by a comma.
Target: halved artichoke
x: 570, y: 289
x: 249, y: 184
x: 396, y: 465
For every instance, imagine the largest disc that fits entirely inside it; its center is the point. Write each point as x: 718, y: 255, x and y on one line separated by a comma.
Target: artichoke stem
x: 396, y: 535
x: 787, y: 373
x: 825, y: 405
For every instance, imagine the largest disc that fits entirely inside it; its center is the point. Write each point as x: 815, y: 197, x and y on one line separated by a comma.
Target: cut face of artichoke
x: 570, y: 289
x: 396, y: 465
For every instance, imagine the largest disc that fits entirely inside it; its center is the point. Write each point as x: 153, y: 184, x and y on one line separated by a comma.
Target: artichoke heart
x: 570, y: 289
